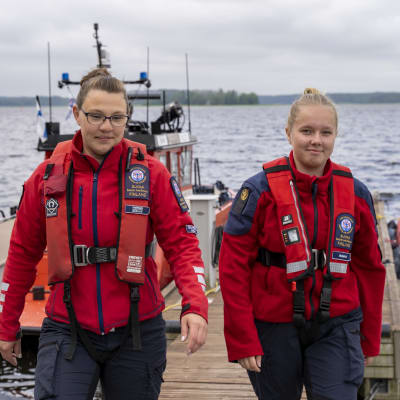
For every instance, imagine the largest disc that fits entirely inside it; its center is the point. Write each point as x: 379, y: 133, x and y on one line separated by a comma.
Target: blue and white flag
x: 40, y: 122
x: 70, y: 106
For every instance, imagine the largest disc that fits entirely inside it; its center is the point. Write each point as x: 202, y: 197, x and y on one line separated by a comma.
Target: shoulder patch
x: 241, y: 200
x: 178, y: 194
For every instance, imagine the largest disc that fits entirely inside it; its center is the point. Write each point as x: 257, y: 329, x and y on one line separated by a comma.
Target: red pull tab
x: 294, y: 286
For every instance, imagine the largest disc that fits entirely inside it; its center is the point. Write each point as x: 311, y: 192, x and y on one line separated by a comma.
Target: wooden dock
x: 206, y: 374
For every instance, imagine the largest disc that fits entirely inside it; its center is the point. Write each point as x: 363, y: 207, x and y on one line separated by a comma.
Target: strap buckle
x: 81, y: 255
x: 318, y: 259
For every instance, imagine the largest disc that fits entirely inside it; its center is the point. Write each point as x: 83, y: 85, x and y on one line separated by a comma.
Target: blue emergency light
x: 65, y: 77
x: 143, y: 75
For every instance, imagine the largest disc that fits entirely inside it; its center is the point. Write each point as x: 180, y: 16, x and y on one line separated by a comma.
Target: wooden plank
x: 206, y: 374
x: 392, y: 292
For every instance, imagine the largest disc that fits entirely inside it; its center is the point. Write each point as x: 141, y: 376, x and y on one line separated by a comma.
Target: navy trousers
x: 331, y: 368
x: 128, y: 374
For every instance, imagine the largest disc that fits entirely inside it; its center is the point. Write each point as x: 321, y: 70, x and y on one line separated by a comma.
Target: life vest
x: 129, y: 251
x: 298, y: 251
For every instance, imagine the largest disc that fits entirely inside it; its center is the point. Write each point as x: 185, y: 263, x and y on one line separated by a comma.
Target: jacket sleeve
x: 27, y: 243
x: 366, y: 264
x: 238, y: 253
x: 177, y: 237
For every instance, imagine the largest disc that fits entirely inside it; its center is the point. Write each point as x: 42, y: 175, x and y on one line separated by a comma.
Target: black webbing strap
x: 268, y: 258
x: 134, y: 317
x: 325, y: 301
x: 47, y: 172
x: 76, y: 330
x: 299, y: 304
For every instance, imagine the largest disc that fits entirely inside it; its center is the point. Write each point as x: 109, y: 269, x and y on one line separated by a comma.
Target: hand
x: 196, y: 326
x: 368, y: 361
x: 10, y: 351
x: 252, y: 363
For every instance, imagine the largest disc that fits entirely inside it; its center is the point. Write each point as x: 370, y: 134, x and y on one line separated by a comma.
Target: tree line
x: 197, y: 97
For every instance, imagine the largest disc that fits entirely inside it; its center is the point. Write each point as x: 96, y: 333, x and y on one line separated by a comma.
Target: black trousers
x: 331, y: 368
x: 128, y: 374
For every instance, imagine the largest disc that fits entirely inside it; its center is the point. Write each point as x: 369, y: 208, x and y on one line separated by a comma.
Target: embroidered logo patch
x: 134, y: 264
x: 291, y: 236
x: 244, y: 194
x: 287, y: 219
x: 344, y: 231
x: 241, y: 200
x: 178, y: 194
x: 51, y: 208
x: 137, y: 182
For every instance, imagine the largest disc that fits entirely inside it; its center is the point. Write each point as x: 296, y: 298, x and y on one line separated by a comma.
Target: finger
x: 9, y: 357
x: 199, y: 336
x: 17, y: 349
x: 192, y: 343
x: 258, y: 361
x: 253, y: 365
x: 184, y: 329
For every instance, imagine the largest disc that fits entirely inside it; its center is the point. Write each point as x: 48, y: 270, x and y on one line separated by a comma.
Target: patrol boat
x: 166, y: 140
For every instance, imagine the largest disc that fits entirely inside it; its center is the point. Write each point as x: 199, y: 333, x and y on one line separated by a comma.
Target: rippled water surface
x: 234, y: 142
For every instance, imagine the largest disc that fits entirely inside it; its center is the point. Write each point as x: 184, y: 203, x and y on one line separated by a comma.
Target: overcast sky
x: 264, y: 46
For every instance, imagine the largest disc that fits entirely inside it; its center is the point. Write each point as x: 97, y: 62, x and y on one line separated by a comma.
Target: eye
x: 306, y: 131
x: 327, y: 132
x: 118, y: 118
x: 96, y: 117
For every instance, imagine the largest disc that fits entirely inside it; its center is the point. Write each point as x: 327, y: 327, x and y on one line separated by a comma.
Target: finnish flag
x: 40, y: 122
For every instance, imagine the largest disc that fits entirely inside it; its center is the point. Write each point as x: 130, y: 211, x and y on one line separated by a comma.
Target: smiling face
x: 312, y: 137
x: 98, y: 140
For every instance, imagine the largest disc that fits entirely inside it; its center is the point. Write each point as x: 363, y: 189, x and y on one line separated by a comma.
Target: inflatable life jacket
x: 129, y: 255
x: 300, y: 258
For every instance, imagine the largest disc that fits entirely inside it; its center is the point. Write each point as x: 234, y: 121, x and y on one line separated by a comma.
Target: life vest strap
x: 134, y: 317
x: 268, y: 258
x: 84, y: 255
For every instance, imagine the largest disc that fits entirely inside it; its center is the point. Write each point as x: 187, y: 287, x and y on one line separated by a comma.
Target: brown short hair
x: 310, y: 97
x: 99, y: 79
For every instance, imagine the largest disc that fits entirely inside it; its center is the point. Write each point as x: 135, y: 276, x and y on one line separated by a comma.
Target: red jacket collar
x: 304, y: 181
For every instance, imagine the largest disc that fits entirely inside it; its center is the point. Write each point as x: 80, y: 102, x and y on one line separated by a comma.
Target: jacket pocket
x: 355, y: 365
x: 45, y: 368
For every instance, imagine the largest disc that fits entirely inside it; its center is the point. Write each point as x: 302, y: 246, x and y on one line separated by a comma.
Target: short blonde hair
x: 310, y: 97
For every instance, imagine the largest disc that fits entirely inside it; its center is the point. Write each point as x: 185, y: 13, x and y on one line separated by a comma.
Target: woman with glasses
x: 97, y: 204
x: 300, y: 268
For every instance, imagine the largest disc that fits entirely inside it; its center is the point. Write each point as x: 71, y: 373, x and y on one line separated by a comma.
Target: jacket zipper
x: 314, y: 190
x: 80, y: 207
x: 96, y: 243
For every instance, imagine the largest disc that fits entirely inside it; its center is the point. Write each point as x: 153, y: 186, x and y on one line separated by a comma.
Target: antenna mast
x: 188, y: 92
x: 49, y: 76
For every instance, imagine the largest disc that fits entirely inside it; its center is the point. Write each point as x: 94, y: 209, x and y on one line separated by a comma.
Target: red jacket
x: 253, y: 291
x: 101, y: 302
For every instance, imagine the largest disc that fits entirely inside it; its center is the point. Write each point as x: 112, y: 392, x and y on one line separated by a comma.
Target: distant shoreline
x: 208, y: 99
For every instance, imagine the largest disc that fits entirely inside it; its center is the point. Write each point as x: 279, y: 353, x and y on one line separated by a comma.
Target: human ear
x: 75, y: 111
x: 289, y: 138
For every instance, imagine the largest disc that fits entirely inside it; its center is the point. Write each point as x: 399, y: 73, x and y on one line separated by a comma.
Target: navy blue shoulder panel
x: 360, y: 190
x: 242, y: 212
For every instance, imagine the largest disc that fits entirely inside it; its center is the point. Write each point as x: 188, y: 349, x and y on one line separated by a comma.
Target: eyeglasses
x: 117, y: 120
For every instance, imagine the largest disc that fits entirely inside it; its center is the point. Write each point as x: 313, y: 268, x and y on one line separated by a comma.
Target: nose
x: 106, y: 124
x: 316, y: 138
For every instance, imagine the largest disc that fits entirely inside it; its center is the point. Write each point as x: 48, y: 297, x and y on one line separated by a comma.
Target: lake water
x: 234, y: 142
